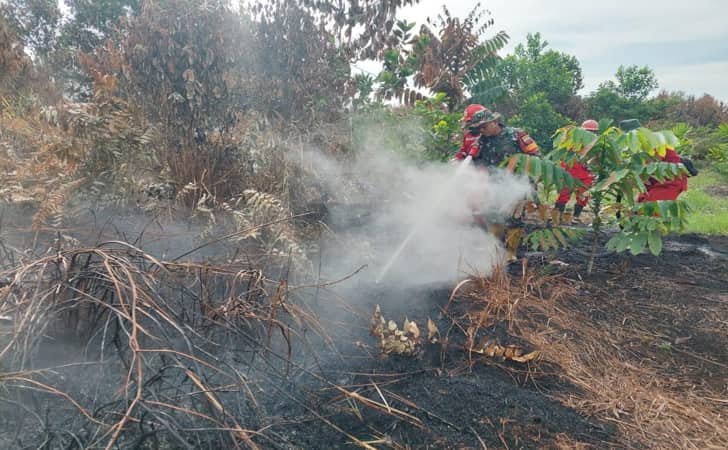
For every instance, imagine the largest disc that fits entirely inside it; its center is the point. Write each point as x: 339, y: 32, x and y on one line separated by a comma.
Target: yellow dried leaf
x: 527, y: 357
x: 414, y: 330
x: 432, y: 331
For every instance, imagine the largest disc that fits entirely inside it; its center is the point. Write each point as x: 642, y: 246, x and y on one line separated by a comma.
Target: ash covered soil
x: 678, y: 303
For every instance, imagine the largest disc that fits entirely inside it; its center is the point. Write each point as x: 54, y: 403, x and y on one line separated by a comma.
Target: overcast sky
x: 685, y: 42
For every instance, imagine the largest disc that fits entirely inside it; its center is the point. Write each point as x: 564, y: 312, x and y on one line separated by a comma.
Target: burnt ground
x: 664, y: 319
x: 667, y: 315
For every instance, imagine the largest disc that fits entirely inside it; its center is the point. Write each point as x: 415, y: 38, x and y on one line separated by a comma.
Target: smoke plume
x: 382, y: 200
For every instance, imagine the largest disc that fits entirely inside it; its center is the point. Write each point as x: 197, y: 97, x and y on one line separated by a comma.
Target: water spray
x: 417, y: 226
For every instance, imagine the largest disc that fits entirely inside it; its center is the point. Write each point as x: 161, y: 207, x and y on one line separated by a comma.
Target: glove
x: 689, y: 166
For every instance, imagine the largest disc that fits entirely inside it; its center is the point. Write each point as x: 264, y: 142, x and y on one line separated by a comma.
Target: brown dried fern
x: 279, y: 239
x: 52, y: 206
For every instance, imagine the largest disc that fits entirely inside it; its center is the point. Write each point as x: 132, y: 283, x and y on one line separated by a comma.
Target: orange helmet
x: 476, y: 115
x: 590, y: 125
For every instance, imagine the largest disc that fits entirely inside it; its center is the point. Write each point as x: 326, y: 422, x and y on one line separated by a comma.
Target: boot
x: 577, y: 213
x: 513, y: 241
x: 560, y: 207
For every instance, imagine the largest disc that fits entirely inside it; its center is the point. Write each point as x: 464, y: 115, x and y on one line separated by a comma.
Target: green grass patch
x: 707, y: 195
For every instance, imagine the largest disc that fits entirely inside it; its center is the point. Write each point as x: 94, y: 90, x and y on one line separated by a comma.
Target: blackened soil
x: 678, y: 302
x: 452, y: 404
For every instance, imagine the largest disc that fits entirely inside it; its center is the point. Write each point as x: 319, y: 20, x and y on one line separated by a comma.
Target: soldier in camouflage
x: 495, y: 144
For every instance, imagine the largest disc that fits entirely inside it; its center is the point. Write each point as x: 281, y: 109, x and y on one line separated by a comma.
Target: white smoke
x: 432, y: 204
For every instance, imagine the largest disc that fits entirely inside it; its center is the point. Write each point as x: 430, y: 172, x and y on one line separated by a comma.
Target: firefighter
x: 495, y: 142
x: 666, y: 189
x: 582, y: 173
x: 471, y: 131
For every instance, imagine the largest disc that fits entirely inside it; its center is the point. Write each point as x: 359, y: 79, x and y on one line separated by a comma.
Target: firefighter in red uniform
x: 471, y: 132
x: 582, y: 173
x: 665, y: 189
x: 489, y: 143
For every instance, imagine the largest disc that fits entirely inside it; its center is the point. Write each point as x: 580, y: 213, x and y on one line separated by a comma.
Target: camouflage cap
x: 483, y: 117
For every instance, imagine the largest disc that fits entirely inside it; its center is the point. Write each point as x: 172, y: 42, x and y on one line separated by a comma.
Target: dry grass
x: 155, y: 353
x: 147, y: 324
x: 610, y: 383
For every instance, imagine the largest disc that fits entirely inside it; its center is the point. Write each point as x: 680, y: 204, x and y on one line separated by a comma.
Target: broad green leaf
x: 633, y: 141
x: 548, y: 174
x: 535, y: 168
x: 674, y: 209
x: 569, y: 181
x: 638, y: 243
x: 655, y: 242
x: 622, y: 243
x: 664, y: 209
x: 612, y: 242
x: 559, y: 174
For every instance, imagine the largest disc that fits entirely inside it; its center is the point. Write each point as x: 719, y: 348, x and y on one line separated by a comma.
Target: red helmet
x: 590, y: 125
x: 476, y: 115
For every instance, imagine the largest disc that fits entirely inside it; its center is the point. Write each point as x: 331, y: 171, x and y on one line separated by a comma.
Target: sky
x: 685, y: 42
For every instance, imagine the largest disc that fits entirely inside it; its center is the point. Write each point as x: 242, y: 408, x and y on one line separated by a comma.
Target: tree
x: 537, y: 115
x: 635, y: 83
x: 541, y: 86
x: 449, y: 56
x: 177, y: 67
x: 398, y: 62
x: 532, y: 69
x: 94, y: 21
x: 34, y: 22
x: 360, y: 28
x: 626, y: 98
x: 14, y: 64
x: 621, y: 162
x: 703, y: 111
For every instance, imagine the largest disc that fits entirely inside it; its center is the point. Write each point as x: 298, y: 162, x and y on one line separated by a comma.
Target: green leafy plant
x: 442, y: 127
x: 552, y: 238
x: 719, y: 152
x: 644, y: 229
x: 621, y: 163
x: 449, y: 55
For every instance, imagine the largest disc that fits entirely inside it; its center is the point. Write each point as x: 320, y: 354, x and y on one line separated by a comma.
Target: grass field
x: 707, y: 195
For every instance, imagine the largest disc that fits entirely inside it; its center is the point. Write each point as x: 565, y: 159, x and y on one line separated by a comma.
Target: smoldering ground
x: 395, y: 197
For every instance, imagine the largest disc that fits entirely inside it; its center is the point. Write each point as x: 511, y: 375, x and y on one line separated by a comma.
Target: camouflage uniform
x: 491, y: 152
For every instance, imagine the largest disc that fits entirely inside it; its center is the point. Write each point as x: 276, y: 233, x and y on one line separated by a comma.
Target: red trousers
x: 668, y: 190
x: 581, y: 173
